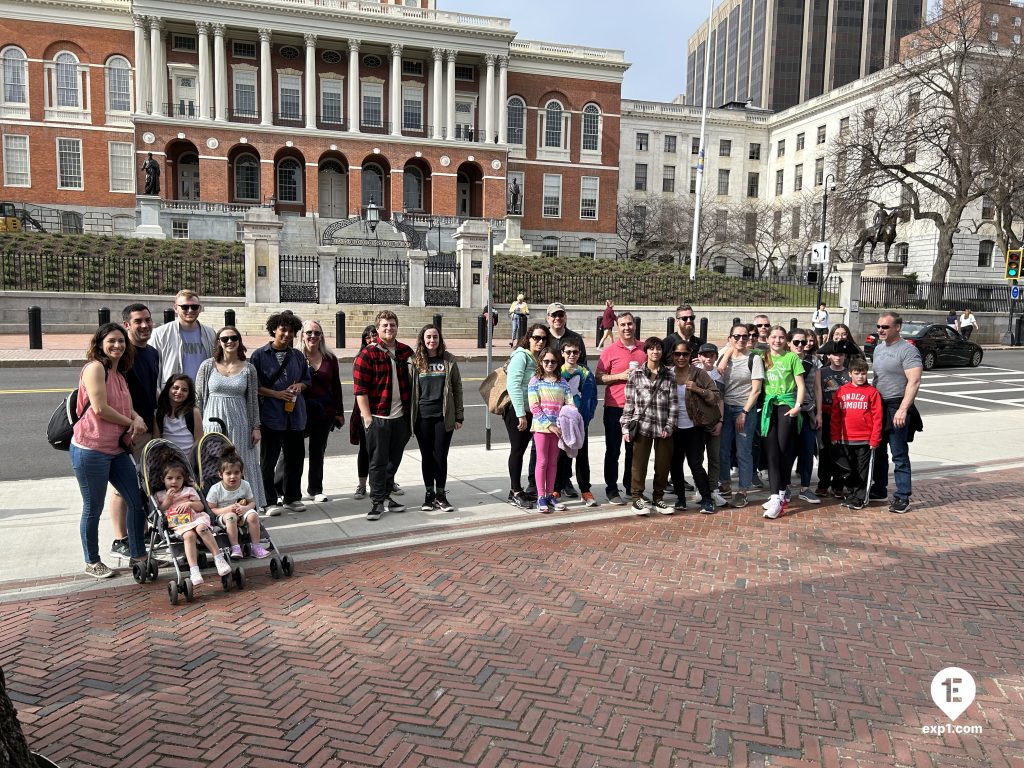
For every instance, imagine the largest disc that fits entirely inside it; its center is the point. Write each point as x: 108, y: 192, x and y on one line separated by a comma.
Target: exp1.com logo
x: 953, y: 692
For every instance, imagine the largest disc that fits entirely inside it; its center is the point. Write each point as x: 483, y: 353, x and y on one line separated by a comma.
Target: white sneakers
x: 773, y: 507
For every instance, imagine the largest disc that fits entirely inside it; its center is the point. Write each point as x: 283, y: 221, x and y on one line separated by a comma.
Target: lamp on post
x: 373, y: 219
x: 830, y: 184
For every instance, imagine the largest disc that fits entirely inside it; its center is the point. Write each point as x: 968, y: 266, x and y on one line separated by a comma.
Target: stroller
x: 207, y: 463
x: 162, y: 539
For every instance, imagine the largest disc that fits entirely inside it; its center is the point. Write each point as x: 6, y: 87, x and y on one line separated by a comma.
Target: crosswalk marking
x: 955, y: 405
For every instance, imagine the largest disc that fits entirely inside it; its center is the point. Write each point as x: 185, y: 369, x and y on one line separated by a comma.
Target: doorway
x: 333, y: 191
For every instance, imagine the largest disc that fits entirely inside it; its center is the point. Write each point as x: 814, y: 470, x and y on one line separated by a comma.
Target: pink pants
x: 547, y: 462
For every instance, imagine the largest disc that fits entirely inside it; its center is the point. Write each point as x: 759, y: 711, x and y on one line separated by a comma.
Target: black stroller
x: 208, y: 450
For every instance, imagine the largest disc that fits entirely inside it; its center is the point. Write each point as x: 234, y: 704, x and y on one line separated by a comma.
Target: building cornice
x: 115, y: 14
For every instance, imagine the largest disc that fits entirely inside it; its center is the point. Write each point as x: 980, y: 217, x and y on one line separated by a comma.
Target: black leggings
x: 363, y: 459
x: 689, y: 445
x: 519, y: 442
x: 779, y: 446
x: 434, y: 441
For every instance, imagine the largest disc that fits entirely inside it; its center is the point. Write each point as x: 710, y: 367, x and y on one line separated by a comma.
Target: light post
x: 373, y: 219
x: 824, y: 216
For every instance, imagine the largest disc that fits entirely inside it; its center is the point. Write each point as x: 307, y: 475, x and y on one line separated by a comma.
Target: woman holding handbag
x: 699, y: 409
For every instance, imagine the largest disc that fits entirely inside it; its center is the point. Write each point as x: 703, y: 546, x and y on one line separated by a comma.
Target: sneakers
x: 119, y: 548
x: 899, y: 505
x: 787, y: 495
x: 236, y: 552
x: 375, y: 511
x: 195, y: 576
x: 542, y: 505
x: 707, y: 507
x: 517, y: 499
x: 680, y: 504
x: 296, y: 506
x: 360, y: 492
x: 725, y: 489
x: 758, y: 482
x: 557, y: 504
x: 589, y: 500
x: 393, y: 506
x: 320, y: 498
x: 530, y: 493
x: 874, y: 496
x: 617, y: 500
x: 274, y: 510
x: 98, y: 571
x: 662, y: 507
x: 259, y: 551
x: 853, y: 501
x: 739, y: 499
x: 441, y: 502
x: 809, y: 496
x: 718, y: 498
x: 640, y: 507
x: 838, y: 493
x: 570, y: 491
x: 428, y: 502
x: 773, y: 507
x: 396, y: 490
x: 223, y: 569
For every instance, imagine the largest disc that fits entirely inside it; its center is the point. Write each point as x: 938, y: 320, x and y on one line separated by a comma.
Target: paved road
x: 29, y: 395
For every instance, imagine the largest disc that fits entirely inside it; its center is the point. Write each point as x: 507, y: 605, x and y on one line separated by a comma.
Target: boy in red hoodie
x: 856, y: 429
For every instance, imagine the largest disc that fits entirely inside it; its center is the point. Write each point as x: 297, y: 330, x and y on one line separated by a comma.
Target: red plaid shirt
x: 371, y: 376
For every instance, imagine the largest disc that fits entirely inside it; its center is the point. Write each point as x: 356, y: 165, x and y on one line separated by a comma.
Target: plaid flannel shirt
x: 371, y: 376
x: 651, y: 401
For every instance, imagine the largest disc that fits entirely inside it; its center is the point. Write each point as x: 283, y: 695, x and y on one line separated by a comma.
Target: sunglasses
x: 549, y: 362
x: 680, y: 354
x: 762, y: 325
x: 230, y: 339
x: 687, y: 318
x: 557, y: 314
x: 741, y: 336
x: 189, y: 307
x: 538, y: 338
x: 313, y: 333
x: 570, y: 352
x: 798, y: 342
x: 883, y: 327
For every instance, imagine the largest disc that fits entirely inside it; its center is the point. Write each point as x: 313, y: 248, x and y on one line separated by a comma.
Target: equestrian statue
x: 882, y: 230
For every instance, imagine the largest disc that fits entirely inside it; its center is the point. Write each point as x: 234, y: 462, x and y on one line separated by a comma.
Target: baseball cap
x: 707, y: 349
x: 556, y: 306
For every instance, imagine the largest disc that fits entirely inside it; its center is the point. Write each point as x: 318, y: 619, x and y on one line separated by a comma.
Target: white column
x: 141, y: 64
x: 450, y: 95
x: 310, y: 81
x: 395, y: 89
x: 266, y: 80
x: 158, y: 71
x: 205, y: 80
x: 489, y: 100
x: 436, y: 98
x: 220, y: 74
x: 353, y: 86
x: 502, y: 99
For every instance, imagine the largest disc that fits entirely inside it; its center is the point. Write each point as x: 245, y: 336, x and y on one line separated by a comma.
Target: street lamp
x: 829, y: 185
x: 373, y: 216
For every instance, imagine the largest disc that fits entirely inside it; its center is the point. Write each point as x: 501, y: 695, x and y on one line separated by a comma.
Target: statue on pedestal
x: 882, y: 230
x: 515, y: 199
x: 152, y: 170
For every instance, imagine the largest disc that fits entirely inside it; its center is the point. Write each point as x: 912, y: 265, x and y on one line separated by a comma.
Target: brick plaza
x: 686, y: 640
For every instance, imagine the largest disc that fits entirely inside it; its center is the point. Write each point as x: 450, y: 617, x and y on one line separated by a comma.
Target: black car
x: 939, y: 345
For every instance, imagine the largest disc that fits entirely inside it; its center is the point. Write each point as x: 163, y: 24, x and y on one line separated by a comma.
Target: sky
x: 652, y: 33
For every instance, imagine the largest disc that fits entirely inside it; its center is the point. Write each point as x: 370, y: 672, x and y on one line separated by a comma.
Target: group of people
x: 965, y: 323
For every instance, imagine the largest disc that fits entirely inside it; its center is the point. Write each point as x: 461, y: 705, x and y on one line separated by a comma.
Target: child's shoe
x: 223, y: 569
x: 195, y: 576
x: 259, y: 551
x: 236, y: 552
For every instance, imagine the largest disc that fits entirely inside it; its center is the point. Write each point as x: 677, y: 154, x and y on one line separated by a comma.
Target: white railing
x: 363, y: 7
x: 197, y: 206
x: 568, y: 51
x: 67, y: 115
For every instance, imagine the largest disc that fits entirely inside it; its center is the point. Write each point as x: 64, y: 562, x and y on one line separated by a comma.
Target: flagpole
x: 700, y: 156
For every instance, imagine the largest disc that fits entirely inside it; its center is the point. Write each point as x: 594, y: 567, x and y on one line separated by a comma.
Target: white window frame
x: 14, y: 108
x: 333, y: 85
x: 371, y: 89
x: 81, y: 170
x: 588, y: 254
x: 10, y: 161
x: 234, y: 179
x: 596, y: 114
x: 179, y: 229
x: 798, y: 177
x: 109, y: 90
x: 296, y: 165
x: 124, y: 180
x: 594, y: 182
x: 560, y: 152
x: 412, y: 93
x: 548, y: 240
x: 79, y: 111
x: 244, y: 75
x: 552, y: 182
x: 289, y: 80
x: 522, y: 121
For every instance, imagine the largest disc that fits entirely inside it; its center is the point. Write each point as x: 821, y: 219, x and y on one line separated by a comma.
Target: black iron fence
x: 441, y: 281
x: 371, y: 281
x: 623, y: 287
x: 901, y: 293
x: 299, y: 279
x: 89, y: 273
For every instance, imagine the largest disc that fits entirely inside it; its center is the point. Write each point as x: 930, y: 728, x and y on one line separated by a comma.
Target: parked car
x: 939, y: 345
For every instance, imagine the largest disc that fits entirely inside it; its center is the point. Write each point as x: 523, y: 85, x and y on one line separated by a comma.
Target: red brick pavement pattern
x: 692, y: 640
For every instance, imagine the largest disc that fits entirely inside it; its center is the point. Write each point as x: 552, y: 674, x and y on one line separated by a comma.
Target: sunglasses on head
x: 189, y: 307
x: 229, y: 339
x: 741, y: 336
x: 314, y: 333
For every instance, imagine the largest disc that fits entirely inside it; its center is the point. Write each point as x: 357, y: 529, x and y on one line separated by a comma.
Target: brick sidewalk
x: 688, y: 640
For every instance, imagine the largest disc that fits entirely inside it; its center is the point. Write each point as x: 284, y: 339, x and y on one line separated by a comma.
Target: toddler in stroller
x: 231, y: 499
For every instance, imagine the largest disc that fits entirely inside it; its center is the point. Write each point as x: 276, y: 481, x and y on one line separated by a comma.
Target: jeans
x: 895, y: 440
x: 612, y: 447
x: 743, y: 440
x: 434, y: 441
x: 807, y: 440
x: 385, y: 442
x: 291, y: 443
x: 93, y: 470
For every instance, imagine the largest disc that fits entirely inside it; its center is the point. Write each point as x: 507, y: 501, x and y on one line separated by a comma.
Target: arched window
x: 15, y: 76
x: 591, y: 128
x: 119, y: 84
x: 549, y: 246
x: 247, y: 178
x: 412, y: 192
x: 516, y: 121
x: 68, y: 90
x: 373, y: 185
x: 553, y: 125
x: 289, y: 181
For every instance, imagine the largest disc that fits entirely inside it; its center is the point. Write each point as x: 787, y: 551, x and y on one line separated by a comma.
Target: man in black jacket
x: 559, y: 329
x: 685, y: 333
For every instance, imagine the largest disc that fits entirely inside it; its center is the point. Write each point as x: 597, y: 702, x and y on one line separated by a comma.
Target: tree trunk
x: 944, y: 256
x: 13, y: 747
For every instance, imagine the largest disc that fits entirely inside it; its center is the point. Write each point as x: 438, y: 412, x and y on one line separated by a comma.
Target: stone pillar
x: 327, y: 255
x: 471, y: 245
x: 437, y: 83
x: 417, y: 278
x: 205, y: 79
x: 309, y: 81
x: 395, y: 90
x: 502, y: 99
x: 849, y: 293
x: 149, y: 224
x: 220, y: 75
x: 489, y: 100
x: 142, y: 77
x: 450, y: 95
x: 353, y: 86
x: 513, y: 243
x: 261, y: 237
x: 266, y: 80
x: 158, y: 70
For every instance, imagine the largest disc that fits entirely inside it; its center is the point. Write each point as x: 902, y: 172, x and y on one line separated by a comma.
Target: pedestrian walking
x: 967, y: 323
x: 607, y: 324
x: 519, y: 314
x: 820, y: 323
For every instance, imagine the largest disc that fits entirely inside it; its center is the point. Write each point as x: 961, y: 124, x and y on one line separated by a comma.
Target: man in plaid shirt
x: 381, y: 378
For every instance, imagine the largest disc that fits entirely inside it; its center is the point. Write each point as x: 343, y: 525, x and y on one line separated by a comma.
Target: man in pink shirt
x: 617, y: 360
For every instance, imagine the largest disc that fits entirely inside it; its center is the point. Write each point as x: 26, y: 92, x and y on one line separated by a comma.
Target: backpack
x: 494, y: 390
x: 61, y: 427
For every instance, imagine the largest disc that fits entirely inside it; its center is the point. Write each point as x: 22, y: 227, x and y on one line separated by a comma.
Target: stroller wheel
x: 225, y: 581
x: 172, y: 592
x: 140, y: 573
x: 189, y: 590
x: 154, y: 570
x: 275, y: 568
x: 239, y: 577
x: 288, y: 565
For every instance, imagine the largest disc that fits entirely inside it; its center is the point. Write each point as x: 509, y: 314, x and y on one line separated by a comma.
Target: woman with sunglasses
x: 784, y: 391
x: 227, y: 395
x: 325, y: 409
x: 517, y: 417
x: 803, y: 344
x: 743, y: 378
x: 356, y: 431
x: 547, y: 393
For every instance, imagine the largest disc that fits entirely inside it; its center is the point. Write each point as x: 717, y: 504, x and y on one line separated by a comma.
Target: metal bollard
x: 599, y: 334
x: 169, y: 315
x: 636, y: 329
x: 703, y: 334
x: 437, y: 322
x: 793, y: 322
x: 481, y: 330
x: 229, y: 317
x: 339, y: 330
x: 104, y: 315
x: 670, y: 326
x: 735, y: 321
x: 35, y: 328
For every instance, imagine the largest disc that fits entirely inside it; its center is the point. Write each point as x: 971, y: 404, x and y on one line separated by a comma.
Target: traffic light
x: 1013, y: 263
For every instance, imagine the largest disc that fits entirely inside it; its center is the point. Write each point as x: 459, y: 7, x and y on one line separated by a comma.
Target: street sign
x: 819, y: 252
x: 1014, y: 292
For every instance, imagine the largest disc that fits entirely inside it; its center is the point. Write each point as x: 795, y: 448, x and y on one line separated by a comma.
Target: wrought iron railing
x: 371, y: 281
x: 299, y: 279
x: 904, y: 293
x: 441, y: 281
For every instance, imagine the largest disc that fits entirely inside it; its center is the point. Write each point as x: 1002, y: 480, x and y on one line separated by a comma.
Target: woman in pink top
x: 103, y: 438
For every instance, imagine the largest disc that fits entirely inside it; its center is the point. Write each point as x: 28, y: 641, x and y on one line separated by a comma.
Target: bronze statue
x: 152, y: 170
x: 515, y: 198
x: 882, y: 230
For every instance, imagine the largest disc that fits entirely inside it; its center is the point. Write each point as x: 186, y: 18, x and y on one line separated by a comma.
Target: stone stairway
x: 299, y: 236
